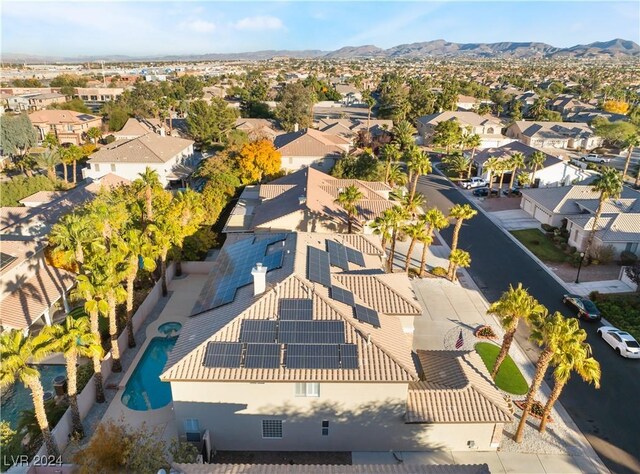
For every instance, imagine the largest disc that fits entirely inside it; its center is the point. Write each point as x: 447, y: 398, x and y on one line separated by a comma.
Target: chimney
x: 296, y: 127
x: 259, y: 274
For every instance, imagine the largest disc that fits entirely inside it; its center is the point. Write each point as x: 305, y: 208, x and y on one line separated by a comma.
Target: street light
x: 579, y: 267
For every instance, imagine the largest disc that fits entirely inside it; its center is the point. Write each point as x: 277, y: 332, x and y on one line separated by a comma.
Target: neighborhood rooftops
x: 310, y: 142
x: 149, y: 148
x: 331, y: 468
x: 464, y: 117
x: 374, y: 341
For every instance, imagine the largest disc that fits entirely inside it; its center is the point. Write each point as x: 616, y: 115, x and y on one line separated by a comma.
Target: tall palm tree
x: 70, y: 236
x: 572, y: 358
x: 48, y: 160
x: 503, y: 167
x: 397, y: 216
x: 412, y: 204
x: 149, y: 180
x: 17, y: 351
x: 517, y: 161
x: 114, y: 268
x: 630, y: 143
x: 348, y: 200
x: 396, y: 176
x: 74, y: 339
x: 514, y: 304
x: 457, y: 163
x: 416, y: 232
x: 460, y: 212
x: 550, y: 332
x: 473, y: 141
x: 433, y: 219
x: 382, y: 226
x: 491, y: 166
x: 403, y: 133
x: 536, y: 160
x: 609, y: 185
x: 391, y: 154
x: 420, y: 164
x: 458, y: 258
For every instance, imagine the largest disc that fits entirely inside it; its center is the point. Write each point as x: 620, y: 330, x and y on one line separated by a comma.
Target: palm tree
x: 630, y: 143
x: 503, y: 167
x: 48, y: 160
x: 94, y: 134
x: 391, y: 154
x: 458, y: 258
x: 382, y: 226
x: 396, y: 176
x: 74, y: 339
x: 572, y: 358
x: 370, y: 102
x: 114, y: 269
x: 517, y: 161
x: 348, y: 200
x: 536, y: 160
x: 416, y: 232
x: 492, y: 165
x: 149, y: 180
x: 433, y: 219
x: 420, y: 164
x: 396, y: 215
x: 514, y: 304
x: 70, y: 236
x: 473, y: 141
x: 460, y: 212
x: 412, y: 204
x: 16, y: 352
x: 403, y: 133
x: 609, y: 185
x: 550, y: 332
x: 457, y: 163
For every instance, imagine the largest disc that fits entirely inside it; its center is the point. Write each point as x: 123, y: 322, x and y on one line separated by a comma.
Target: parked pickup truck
x: 594, y: 158
x: 474, y: 183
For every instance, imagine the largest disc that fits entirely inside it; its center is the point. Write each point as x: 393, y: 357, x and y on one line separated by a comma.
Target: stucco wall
x: 294, y: 163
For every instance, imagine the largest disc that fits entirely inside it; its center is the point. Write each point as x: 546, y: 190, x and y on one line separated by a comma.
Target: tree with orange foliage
x: 258, y: 159
x: 615, y: 107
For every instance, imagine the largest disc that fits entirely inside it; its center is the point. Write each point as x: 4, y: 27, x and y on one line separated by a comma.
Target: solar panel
x: 337, y: 255
x: 5, y: 259
x: 311, y: 332
x: 342, y: 295
x: 258, y: 330
x: 315, y: 356
x: 367, y: 315
x: 348, y: 356
x: 355, y: 256
x: 262, y: 356
x: 223, y: 354
x: 318, y: 266
x: 296, y: 309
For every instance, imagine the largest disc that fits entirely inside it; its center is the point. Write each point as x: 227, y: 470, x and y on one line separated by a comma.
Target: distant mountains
x: 614, y: 49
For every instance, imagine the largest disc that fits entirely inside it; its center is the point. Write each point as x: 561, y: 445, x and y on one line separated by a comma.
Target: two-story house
x: 309, y: 147
x: 489, y: 128
x: 69, y: 126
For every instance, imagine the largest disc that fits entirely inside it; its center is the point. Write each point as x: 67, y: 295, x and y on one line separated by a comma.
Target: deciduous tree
x: 257, y: 160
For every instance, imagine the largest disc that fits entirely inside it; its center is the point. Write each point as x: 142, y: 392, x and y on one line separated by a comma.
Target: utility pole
x: 104, y: 80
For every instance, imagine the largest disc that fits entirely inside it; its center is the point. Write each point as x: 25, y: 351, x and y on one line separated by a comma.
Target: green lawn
x: 509, y: 377
x: 540, y: 245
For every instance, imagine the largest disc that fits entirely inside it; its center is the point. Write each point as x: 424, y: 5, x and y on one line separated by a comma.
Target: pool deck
x: 183, y: 292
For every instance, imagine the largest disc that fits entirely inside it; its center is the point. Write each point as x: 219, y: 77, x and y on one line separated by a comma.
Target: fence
x: 87, y: 397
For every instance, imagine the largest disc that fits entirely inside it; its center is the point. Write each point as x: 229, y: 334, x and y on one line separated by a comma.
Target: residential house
x: 587, y: 116
x: 301, y: 342
x: 42, y: 101
x: 69, y: 126
x: 96, y: 97
x: 466, y: 102
x: 305, y: 201
x: 309, y: 147
x: 139, y: 126
x: 489, y: 128
x: 554, y: 135
x: 350, y: 94
x: 526, y: 100
x: 619, y: 225
x: 257, y: 128
x: 568, y: 104
x: 171, y: 157
x: 350, y: 128
x: 554, y: 171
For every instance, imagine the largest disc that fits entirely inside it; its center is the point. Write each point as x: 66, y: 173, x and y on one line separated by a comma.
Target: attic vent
x: 302, y: 199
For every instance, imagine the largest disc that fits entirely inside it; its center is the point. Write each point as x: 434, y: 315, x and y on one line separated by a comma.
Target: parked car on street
x: 474, y: 183
x: 623, y: 342
x: 512, y: 192
x: 484, y: 192
x: 595, y: 158
x: 585, y: 307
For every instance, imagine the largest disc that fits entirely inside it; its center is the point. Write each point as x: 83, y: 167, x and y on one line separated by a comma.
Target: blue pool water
x: 170, y: 329
x: 144, y: 390
x: 17, y: 397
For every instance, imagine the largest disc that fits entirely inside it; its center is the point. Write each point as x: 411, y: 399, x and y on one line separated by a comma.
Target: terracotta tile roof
x: 42, y: 197
x: 331, y: 469
x: 380, y: 292
x: 456, y: 388
x: 134, y: 128
x: 149, y: 148
x: 30, y: 298
x: 383, y: 352
x: 20, y: 248
x: 505, y: 152
x: 11, y: 215
x: 270, y: 191
x: 108, y: 181
x: 367, y: 244
x: 310, y: 142
x: 564, y: 199
x: 61, y: 117
x: 464, y: 117
x: 558, y: 130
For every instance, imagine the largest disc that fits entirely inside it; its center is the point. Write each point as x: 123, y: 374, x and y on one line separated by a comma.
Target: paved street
x: 608, y: 417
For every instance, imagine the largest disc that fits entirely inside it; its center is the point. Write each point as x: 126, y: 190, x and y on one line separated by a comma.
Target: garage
x: 542, y: 215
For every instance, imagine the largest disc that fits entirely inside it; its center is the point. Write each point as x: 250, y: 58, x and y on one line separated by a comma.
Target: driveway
x: 516, y: 219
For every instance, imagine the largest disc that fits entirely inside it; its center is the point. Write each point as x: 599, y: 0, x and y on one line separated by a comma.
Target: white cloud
x: 198, y: 26
x: 258, y: 23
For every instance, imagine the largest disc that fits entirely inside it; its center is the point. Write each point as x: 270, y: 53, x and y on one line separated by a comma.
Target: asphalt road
x: 609, y: 417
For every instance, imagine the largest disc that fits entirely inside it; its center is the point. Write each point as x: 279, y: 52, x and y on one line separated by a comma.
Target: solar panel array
x: 236, y: 263
x: 355, y: 256
x: 223, y: 354
x: 262, y: 356
x: 337, y: 255
x: 318, y: 266
x: 367, y: 315
x: 296, y: 309
x: 311, y: 332
x: 258, y: 330
x: 321, y: 356
x: 342, y: 295
x: 5, y: 259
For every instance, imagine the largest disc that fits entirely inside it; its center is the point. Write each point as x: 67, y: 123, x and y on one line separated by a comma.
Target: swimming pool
x: 144, y: 390
x: 17, y: 398
x: 170, y: 329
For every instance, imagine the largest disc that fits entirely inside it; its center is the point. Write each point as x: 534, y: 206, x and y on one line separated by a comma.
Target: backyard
x: 509, y: 378
x: 540, y: 245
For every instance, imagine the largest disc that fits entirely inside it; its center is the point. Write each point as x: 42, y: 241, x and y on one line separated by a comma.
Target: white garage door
x: 527, y: 206
x: 541, y: 215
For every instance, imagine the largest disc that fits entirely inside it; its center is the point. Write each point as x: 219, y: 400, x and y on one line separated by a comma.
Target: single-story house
x: 257, y: 128
x: 621, y: 231
x: 554, y: 134
x: 309, y: 147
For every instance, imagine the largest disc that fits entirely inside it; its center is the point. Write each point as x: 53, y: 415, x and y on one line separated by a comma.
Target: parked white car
x: 474, y: 183
x: 595, y: 158
x: 623, y: 342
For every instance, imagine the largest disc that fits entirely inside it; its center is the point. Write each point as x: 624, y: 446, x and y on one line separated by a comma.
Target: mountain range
x: 614, y: 49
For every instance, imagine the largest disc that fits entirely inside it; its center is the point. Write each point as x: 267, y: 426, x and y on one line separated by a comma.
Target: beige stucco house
x: 311, y: 351
x: 555, y: 135
x: 309, y: 147
x: 489, y: 128
x: 69, y: 126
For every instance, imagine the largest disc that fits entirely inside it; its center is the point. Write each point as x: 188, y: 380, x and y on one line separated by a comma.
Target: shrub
x: 548, y: 228
x: 603, y: 253
x: 439, y: 271
x: 485, y: 331
x: 109, y: 139
x: 21, y: 186
x: 85, y: 371
x: 628, y: 258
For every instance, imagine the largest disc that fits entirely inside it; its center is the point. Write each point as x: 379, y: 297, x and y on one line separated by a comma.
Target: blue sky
x: 158, y: 28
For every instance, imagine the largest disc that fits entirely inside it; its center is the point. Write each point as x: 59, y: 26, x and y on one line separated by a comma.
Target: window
x: 192, y: 429
x: 272, y: 429
x: 94, y: 97
x: 113, y: 167
x: 575, y: 235
x: 632, y: 247
x: 325, y: 428
x: 97, y: 167
x: 307, y: 390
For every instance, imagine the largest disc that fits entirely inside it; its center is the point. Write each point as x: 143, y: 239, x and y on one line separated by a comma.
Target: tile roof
x: 612, y: 227
x: 331, y: 469
x: 310, y: 142
x: 134, y: 128
x: 42, y: 197
x: 563, y: 199
x: 464, y: 117
x: 149, y: 148
x: 61, y: 117
x: 108, y: 181
x: 550, y: 130
x: 456, y: 388
x: 383, y: 352
x: 381, y: 292
x: 506, y: 151
x: 30, y: 298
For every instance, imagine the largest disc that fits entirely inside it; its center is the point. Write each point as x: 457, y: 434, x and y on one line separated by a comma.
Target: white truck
x: 474, y: 183
x: 595, y: 158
